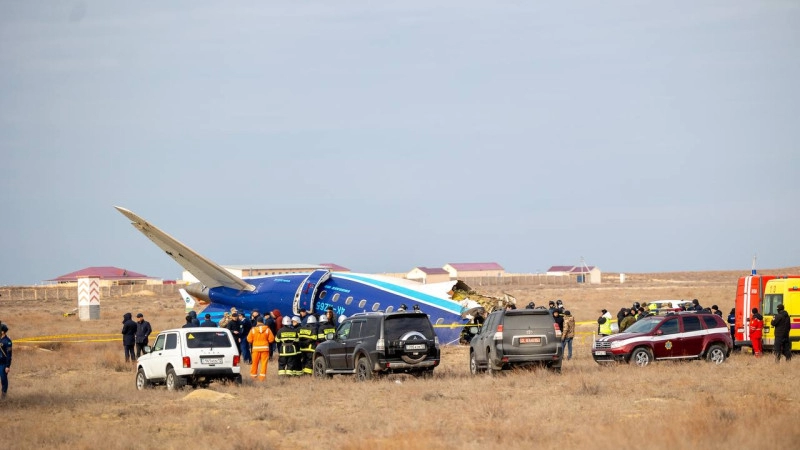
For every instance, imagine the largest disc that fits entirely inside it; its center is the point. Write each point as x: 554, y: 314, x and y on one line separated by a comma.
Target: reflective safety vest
x: 324, y: 330
x: 260, y: 336
x: 307, y: 335
x: 287, y: 338
x: 605, y: 328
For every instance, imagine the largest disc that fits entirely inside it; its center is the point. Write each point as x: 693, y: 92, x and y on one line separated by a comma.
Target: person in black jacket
x: 244, y: 330
x: 208, y: 322
x: 128, y: 337
x: 782, y: 324
x: 143, y: 331
x: 5, y: 357
x: 195, y: 320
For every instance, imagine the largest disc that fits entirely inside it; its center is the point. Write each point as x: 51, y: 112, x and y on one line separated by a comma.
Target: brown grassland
x: 81, y: 395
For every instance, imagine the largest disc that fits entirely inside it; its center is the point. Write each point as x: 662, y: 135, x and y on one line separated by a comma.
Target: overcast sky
x: 643, y: 136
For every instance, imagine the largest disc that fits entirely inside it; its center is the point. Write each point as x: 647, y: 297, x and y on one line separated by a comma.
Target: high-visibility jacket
x: 307, y: 337
x: 287, y: 340
x: 605, y: 328
x: 325, y: 328
x: 260, y: 337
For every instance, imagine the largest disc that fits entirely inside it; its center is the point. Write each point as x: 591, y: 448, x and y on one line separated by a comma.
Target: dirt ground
x: 72, y: 375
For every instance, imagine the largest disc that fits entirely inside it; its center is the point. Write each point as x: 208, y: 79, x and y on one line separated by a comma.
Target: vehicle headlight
x: 616, y: 344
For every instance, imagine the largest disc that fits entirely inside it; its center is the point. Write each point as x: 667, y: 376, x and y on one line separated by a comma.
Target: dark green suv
x: 377, y: 343
x: 514, y: 338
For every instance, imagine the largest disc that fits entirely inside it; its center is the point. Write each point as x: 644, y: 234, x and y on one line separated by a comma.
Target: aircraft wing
x: 207, y: 272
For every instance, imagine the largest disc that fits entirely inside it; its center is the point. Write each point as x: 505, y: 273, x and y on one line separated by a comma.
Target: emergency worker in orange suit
x: 260, y: 337
x: 756, y: 327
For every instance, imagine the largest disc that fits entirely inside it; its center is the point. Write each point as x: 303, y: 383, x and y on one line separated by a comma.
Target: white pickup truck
x: 194, y: 356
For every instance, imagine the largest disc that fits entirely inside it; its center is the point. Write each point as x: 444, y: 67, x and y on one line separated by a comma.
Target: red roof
x: 473, y: 267
x: 561, y: 269
x: 433, y: 271
x: 335, y: 267
x: 106, y: 273
x: 571, y: 269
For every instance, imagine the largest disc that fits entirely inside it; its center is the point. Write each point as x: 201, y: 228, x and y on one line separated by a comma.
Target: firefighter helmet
x: 323, y: 318
x: 295, y: 319
x: 311, y: 319
x: 286, y: 321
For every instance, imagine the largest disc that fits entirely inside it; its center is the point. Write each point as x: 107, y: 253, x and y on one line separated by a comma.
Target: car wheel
x: 142, y: 382
x: 715, y: 354
x: 641, y: 357
x: 473, y: 365
x: 363, y: 370
x: 414, y: 337
x: 320, y: 367
x: 174, y: 382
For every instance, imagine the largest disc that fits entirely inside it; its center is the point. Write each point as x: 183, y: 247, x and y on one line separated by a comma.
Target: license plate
x: 211, y: 360
x: 416, y: 347
x: 530, y: 340
x: 600, y: 353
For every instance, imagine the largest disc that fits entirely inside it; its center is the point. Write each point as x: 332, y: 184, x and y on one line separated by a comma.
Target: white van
x: 194, y: 356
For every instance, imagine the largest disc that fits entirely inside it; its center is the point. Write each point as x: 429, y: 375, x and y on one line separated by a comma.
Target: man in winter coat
x: 782, y: 325
x: 260, y: 337
x: 604, y: 323
x: 627, y: 321
x: 128, y: 337
x: 568, y: 333
x: 143, y: 331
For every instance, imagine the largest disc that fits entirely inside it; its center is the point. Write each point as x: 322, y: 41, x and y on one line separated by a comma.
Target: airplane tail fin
x: 207, y: 272
x: 188, y: 300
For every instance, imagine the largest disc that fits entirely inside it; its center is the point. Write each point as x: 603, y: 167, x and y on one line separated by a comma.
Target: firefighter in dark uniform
x: 287, y: 347
x: 296, y: 361
x: 307, y: 335
x: 325, y: 328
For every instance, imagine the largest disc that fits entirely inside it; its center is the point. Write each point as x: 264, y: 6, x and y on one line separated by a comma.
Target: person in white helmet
x: 296, y: 361
x: 325, y: 327
x: 287, y: 347
x: 307, y: 335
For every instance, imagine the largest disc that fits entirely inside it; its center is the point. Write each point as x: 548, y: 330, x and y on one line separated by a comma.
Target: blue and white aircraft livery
x: 347, y: 293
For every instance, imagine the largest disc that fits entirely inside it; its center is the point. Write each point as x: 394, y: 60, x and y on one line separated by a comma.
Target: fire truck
x: 750, y: 294
x: 786, y: 291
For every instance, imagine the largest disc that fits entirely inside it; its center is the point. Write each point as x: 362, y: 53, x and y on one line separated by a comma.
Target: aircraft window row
x: 335, y: 297
x: 348, y: 301
x: 439, y: 321
x: 362, y: 303
x: 323, y: 294
x: 375, y: 306
x: 390, y: 309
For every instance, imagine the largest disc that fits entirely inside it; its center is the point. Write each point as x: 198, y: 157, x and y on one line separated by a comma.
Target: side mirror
x: 330, y: 337
x: 146, y: 349
x: 659, y: 332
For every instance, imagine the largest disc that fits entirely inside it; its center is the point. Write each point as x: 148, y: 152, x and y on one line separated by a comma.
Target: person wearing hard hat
x: 307, y: 337
x: 287, y: 347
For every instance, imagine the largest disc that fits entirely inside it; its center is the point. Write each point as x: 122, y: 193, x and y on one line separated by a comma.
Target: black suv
x: 516, y: 337
x: 376, y: 343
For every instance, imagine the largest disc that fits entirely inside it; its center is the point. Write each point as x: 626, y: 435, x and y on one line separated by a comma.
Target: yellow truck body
x: 777, y: 291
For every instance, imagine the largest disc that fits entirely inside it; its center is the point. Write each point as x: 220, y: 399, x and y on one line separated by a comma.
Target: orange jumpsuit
x: 260, y: 337
x: 756, y: 326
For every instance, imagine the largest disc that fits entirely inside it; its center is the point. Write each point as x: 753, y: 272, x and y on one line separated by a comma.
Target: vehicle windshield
x: 645, y: 325
x: 207, y: 339
x: 395, y: 327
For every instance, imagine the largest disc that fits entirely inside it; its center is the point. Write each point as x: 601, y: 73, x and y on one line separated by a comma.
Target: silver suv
x: 514, y: 338
x: 194, y: 356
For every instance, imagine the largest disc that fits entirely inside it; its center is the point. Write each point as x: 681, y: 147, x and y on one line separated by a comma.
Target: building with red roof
x: 485, y: 269
x: 109, y: 276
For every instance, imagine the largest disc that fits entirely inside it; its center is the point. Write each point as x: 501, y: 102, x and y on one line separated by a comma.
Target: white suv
x: 194, y: 356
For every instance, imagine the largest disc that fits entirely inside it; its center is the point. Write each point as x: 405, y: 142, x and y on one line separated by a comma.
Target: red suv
x: 685, y: 335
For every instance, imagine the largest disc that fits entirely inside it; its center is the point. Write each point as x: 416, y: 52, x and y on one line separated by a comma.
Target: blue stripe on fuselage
x: 447, y: 305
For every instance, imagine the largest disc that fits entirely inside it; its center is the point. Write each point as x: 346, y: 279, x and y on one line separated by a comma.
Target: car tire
x: 715, y: 354
x: 142, y: 382
x: 641, y: 357
x: 363, y: 369
x: 473, y: 365
x: 413, y: 336
x: 320, y: 367
x: 173, y: 381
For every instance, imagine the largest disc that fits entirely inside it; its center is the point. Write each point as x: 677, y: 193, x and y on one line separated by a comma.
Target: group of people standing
x: 134, y: 334
x: 298, y: 338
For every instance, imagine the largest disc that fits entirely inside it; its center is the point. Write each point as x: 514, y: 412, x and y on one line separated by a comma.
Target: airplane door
x: 306, y: 293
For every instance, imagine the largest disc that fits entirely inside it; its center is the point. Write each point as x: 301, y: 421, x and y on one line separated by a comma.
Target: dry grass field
x: 73, y: 390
